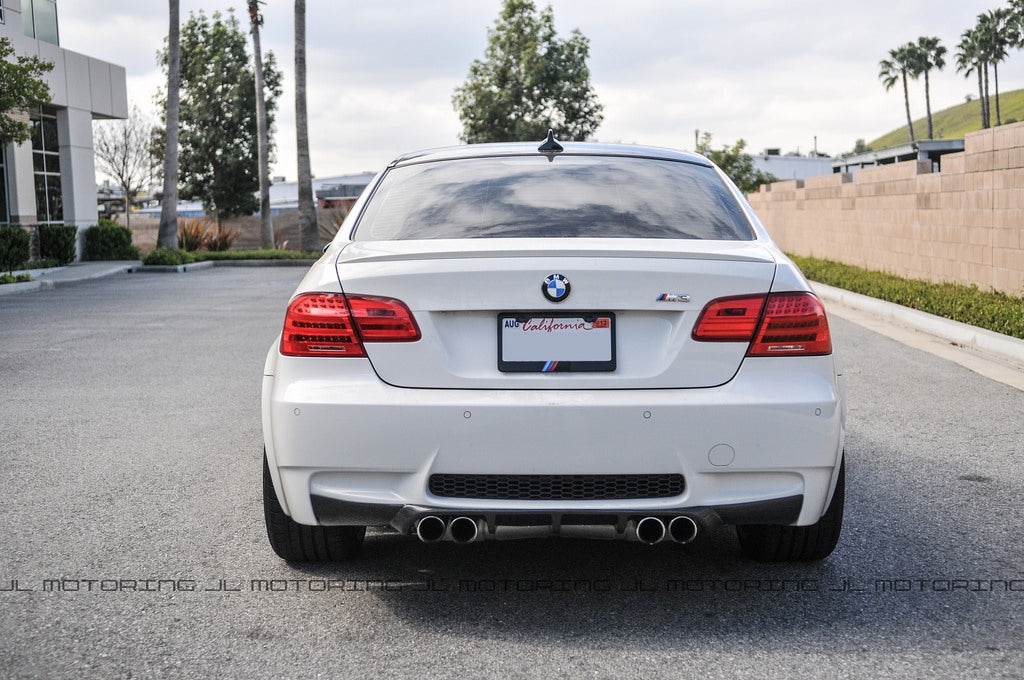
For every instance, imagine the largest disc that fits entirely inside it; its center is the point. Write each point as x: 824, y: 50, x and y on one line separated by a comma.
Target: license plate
x: 552, y: 343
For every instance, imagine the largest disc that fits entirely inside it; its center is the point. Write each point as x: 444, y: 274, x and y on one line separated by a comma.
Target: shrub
x: 108, y: 240
x: 14, y: 278
x: 330, y: 223
x: 193, y: 233
x: 57, y: 242
x: 15, y: 243
x: 222, y: 240
x: 168, y: 257
x: 993, y: 310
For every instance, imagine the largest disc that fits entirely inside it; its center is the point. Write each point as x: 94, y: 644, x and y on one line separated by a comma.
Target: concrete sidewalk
x: 68, y: 274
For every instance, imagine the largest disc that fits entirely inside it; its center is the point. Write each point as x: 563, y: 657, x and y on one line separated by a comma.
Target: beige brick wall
x: 963, y: 224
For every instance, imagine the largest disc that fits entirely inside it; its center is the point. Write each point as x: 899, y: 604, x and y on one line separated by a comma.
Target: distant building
x: 922, y: 150
x: 52, y: 178
x: 338, y: 191
x: 792, y: 167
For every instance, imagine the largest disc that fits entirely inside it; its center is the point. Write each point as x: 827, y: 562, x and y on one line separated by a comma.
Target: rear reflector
x: 793, y: 324
x: 331, y: 324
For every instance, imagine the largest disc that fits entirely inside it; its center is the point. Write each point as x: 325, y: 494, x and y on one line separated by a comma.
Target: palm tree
x: 1000, y: 30
x: 900, y: 65
x: 969, y: 60
x: 308, y: 232
x: 167, y: 235
x: 930, y: 55
x: 263, y: 135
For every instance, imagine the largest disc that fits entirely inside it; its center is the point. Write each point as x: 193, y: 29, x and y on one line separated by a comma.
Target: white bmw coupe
x: 510, y: 340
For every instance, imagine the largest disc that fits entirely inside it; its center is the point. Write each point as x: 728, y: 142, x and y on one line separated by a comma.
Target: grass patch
x: 954, y: 122
x: 992, y: 310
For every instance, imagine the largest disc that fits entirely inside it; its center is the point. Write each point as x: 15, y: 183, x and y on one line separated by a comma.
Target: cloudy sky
x: 381, y: 72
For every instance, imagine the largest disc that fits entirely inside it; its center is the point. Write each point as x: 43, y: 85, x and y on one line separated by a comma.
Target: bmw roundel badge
x: 556, y: 287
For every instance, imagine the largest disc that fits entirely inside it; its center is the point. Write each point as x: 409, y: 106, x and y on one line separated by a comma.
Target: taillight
x: 729, y: 319
x: 794, y: 324
x: 780, y: 324
x: 332, y: 324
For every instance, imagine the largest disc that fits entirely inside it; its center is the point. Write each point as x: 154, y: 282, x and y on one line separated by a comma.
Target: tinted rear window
x: 571, y: 196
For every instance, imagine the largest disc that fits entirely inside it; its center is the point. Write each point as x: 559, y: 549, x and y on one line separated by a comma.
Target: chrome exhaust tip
x: 650, y: 530
x: 430, y: 529
x: 463, y: 529
x: 682, y: 529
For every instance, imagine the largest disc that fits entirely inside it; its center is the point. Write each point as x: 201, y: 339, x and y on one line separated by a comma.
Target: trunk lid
x: 650, y: 291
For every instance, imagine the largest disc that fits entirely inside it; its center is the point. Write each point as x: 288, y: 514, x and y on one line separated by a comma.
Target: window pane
x: 37, y: 133
x: 572, y: 196
x: 54, y: 198
x: 50, y: 142
x: 4, y: 217
x: 46, y: 21
x: 41, y: 198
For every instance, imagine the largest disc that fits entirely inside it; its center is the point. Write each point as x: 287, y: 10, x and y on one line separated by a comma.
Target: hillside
x: 956, y: 121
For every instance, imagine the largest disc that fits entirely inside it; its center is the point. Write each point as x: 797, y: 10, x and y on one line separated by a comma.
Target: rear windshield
x: 571, y: 196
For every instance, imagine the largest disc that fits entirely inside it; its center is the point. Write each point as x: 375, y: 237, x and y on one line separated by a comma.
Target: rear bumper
x: 347, y: 449
x: 501, y: 521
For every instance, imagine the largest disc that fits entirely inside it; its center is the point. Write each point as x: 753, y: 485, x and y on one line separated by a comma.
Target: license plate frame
x: 556, y: 342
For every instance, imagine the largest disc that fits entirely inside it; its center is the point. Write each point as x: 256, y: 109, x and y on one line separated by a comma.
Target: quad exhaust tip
x: 682, y: 529
x: 650, y: 530
x: 463, y: 529
x: 430, y: 529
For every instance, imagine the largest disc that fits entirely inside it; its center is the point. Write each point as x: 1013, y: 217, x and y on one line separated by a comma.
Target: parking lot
x: 132, y: 541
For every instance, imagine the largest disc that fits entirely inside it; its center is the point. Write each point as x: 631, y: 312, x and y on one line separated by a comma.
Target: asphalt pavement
x: 132, y: 540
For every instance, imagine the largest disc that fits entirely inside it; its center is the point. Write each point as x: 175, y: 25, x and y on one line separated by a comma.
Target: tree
x: 122, y: 151
x: 900, y: 66
x: 219, y: 137
x: 998, y: 30
x: 21, y: 88
x: 930, y: 53
x: 970, y: 58
x: 529, y: 82
x: 167, y: 234
x: 735, y: 163
x: 263, y: 135
x: 308, y: 231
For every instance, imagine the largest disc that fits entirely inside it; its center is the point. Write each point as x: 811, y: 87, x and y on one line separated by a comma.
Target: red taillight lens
x: 792, y: 324
x: 729, y: 319
x: 383, y: 319
x: 331, y: 324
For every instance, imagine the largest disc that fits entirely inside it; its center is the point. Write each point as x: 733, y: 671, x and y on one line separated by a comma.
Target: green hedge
x: 109, y: 241
x: 57, y: 242
x: 15, y: 245
x: 264, y: 254
x: 168, y: 257
x: 993, y: 310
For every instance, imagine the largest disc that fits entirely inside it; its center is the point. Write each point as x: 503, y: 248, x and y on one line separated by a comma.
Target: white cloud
x: 381, y: 73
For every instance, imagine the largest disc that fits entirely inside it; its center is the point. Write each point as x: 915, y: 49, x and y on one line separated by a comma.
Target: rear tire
x: 778, y: 543
x: 301, y: 543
